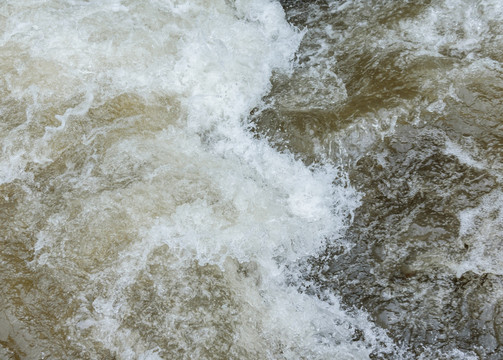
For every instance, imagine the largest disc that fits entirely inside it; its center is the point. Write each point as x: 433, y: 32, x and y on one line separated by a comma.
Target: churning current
x: 251, y: 179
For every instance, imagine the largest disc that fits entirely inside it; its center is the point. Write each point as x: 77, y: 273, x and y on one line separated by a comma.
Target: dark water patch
x: 418, y: 129
x: 406, y: 240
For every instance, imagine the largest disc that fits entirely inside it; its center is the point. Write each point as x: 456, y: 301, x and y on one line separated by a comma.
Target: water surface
x: 251, y: 179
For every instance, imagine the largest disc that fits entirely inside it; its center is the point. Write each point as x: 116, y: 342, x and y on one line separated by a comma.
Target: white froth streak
x: 481, y: 228
x: 457, y: 27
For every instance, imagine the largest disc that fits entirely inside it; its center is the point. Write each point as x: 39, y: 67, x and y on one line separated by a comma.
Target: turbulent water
x: 251, y: 179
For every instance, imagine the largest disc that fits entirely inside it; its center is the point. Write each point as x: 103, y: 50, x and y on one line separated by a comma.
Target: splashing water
x: 250, y: 179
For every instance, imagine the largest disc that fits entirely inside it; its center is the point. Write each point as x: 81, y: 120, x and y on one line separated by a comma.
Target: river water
x: 251, y: 179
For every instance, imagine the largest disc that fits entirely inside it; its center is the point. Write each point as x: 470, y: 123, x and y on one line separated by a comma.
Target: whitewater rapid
x: 238, y: 179
x: 153, y: 223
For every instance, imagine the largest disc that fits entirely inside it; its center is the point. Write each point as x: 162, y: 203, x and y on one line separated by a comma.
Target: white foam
x: 480, y: 229
x: 462, y: 155
x: 455, y: 26
x: 203, y: 187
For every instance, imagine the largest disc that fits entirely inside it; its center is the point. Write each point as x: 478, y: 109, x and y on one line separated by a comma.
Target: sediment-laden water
x: 243, y: 179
